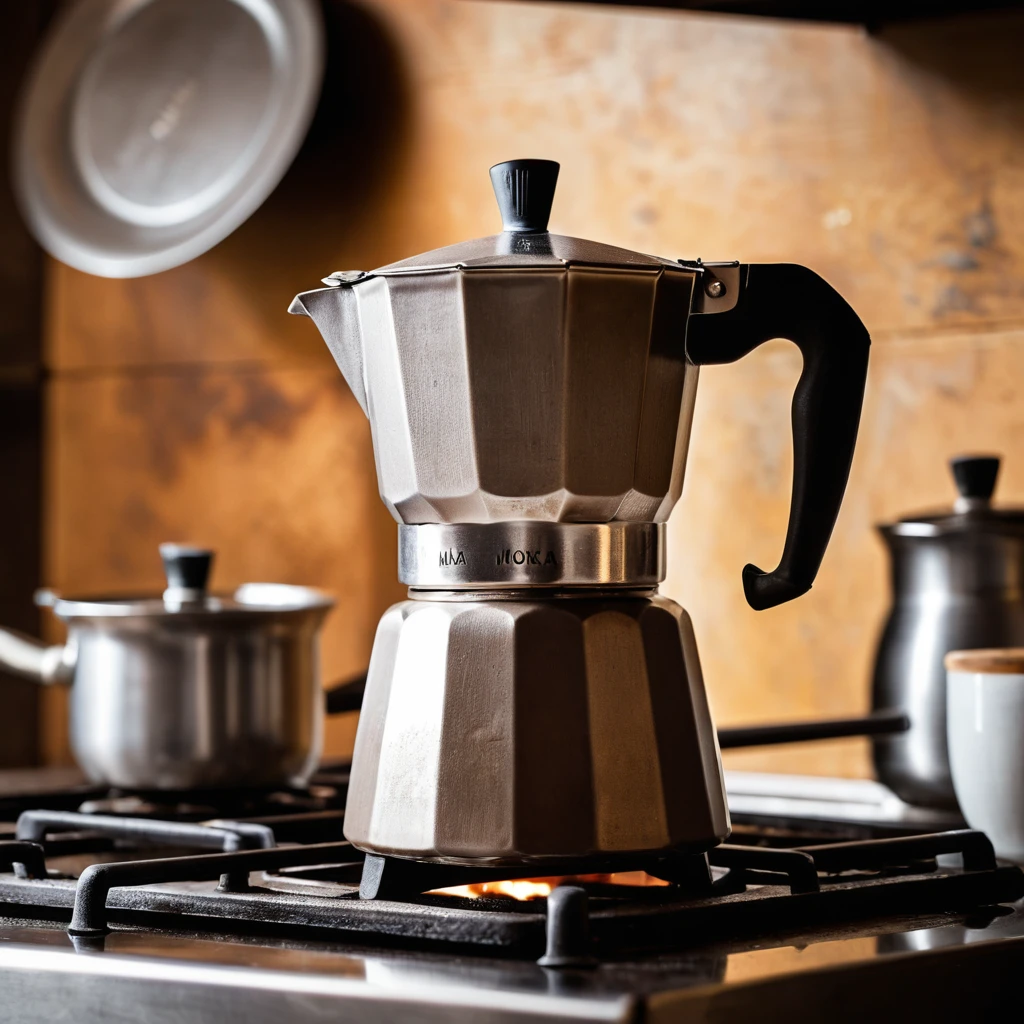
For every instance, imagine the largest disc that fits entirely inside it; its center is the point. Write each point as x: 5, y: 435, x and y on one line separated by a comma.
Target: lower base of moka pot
x: 514, y: 728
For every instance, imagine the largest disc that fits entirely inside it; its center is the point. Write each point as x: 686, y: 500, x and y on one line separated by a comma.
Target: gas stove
x: 252, y: 906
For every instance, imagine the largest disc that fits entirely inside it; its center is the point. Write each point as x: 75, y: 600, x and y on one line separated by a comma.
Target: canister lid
x: 972, y: 512
x: 991, y: 661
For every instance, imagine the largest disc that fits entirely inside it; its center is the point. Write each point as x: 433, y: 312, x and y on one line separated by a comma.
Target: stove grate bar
x: 298, y: 827
x: 797, y: 865
x: 775, y: 911
x: 33, y: 827
x: 89, y: 916
x: 25, y: 859
x: 974, y: 846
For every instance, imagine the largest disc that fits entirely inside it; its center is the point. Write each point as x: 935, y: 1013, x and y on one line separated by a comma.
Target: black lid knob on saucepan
x: 525, y: 190
x: 187, y: 569
x: 975, y: 477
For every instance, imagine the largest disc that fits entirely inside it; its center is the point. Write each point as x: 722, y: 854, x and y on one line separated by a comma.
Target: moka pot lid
x: 525, y: 190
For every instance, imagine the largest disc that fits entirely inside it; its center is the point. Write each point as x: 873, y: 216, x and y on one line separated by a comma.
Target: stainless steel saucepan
x: 189, y: 690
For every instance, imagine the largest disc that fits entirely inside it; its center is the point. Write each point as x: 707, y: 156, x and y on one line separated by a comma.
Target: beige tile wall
x: 893, y: 164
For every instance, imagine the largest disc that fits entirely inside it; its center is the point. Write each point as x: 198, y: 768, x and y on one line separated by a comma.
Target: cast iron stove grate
x: 309, y: 886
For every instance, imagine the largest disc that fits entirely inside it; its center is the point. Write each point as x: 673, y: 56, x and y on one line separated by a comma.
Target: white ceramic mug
x: 985, y: 729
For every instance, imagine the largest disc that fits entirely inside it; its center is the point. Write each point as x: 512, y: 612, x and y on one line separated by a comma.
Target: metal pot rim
x: 942, y: 524
x: 257, y: 600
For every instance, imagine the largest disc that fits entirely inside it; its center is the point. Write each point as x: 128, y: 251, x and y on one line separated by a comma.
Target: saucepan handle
x: 348, y: 696
x: 784, y: 300
x: 345, y: 696
x: 43, y: 663
x: 878, y: 723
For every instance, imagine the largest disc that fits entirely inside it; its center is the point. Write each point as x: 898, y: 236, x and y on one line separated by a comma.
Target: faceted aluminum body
x: 555, y: 392
x: 522, y: 731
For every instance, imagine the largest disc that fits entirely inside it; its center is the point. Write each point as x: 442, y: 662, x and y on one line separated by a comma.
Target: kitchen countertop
x: 52, y: 779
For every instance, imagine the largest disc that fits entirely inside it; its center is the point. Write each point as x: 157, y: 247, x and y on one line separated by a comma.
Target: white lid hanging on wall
x: 148, y: 130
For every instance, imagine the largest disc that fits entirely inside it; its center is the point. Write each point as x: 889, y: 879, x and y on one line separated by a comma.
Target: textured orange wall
x: 188, y: 404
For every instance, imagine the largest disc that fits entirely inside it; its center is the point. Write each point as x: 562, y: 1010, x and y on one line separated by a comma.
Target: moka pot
x: 530, y: 398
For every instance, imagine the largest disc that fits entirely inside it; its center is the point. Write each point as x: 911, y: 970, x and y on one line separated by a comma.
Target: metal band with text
x: 450, y: 556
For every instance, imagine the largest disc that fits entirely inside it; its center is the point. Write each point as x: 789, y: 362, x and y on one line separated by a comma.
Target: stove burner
x: 195, y: 805
x: 392, y: 878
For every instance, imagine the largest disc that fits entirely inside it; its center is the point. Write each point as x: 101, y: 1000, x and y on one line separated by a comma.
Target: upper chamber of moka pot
x: 523, y: 376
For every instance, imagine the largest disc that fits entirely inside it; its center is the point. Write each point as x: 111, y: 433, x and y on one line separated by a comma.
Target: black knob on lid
x: 525, y: 190
x: 187, y: 568
x: 975, y: 475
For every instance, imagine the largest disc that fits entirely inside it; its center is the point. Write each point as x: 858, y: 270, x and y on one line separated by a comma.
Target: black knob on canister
x: 975, y: 476
x: 525, y: 190
x: 187, y: 570
x: 568, y: 929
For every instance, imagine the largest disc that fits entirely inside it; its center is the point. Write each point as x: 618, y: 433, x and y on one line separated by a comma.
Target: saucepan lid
x: 148, y: 130
x: 972, y: 512
x: 187, y: 569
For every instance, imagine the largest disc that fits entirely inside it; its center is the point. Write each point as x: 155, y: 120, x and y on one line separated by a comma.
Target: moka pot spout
x: 335, y: 312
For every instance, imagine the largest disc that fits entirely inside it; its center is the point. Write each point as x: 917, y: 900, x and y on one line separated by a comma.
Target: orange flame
x: 524, y: 889
x: 538, y: 888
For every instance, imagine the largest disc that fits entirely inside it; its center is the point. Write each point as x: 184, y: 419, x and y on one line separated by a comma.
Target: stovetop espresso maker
x: 530, y: 397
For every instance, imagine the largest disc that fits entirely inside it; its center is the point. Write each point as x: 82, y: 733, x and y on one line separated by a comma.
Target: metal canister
x: 957, y: 583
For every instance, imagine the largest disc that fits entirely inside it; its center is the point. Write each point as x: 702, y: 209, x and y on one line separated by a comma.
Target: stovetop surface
x: 295, y: 941
x: 198, y: 977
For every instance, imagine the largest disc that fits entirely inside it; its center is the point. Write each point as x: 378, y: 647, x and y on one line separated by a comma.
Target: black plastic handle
x: 345, y: 696
x: 784, y: 300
